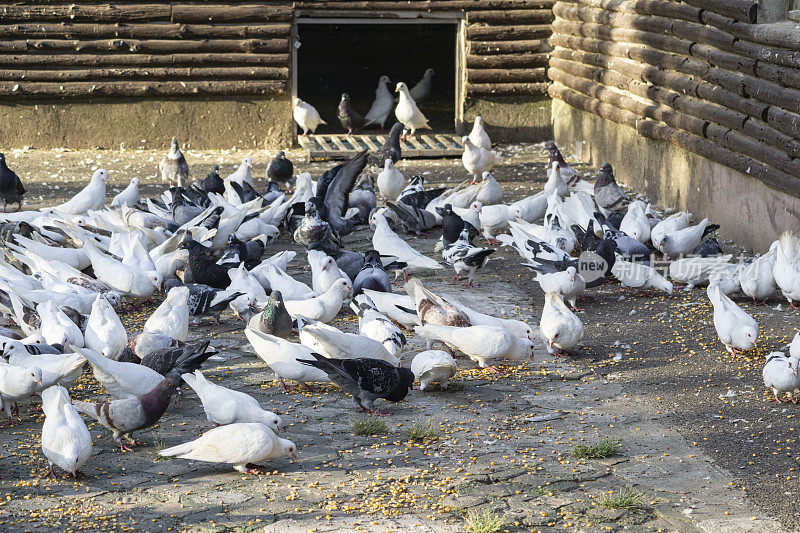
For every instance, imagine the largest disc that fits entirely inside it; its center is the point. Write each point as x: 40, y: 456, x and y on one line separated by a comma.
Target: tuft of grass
x: 484, y: 521
x: 422, y: 431
x: 602, y: 450
x: 624, y: 499
x: 369, y: 426
x: 159, y: 445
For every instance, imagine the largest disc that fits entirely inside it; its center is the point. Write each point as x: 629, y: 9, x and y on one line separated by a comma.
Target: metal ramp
x: 344, y: 147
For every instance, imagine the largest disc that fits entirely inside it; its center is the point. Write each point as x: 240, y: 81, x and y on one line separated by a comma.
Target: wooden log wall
x: 52, y: 49
x: 697, y: 73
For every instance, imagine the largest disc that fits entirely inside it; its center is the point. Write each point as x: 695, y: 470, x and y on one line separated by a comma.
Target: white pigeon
x: 495, y: 218
x: 324, y: 307
x: 398, y: 307
x: 422, y: 89
x: 490, y: 193
x: 794, y: 346
x: 479, y: 343
x: 531, y: 208
x: 120, y: 379
x: 332, y: 342
x: 306, y: 116
x: 376, y: 326
x: 433, y: 366
x: 125, y: 279
x: 560, y: 327
x: 477, y: 160
x: 225, y: 406
x: 568, y: 283
x: 242, y: 445
x: 324, y: 271
x: 17, y: 382
x: 756, y: 279
x: 66, y: 441
x: 90, y: 198
x: 478, y: 136
x: 243, y: 174
x: 74, y: 257
x: 171, y: 318
x: 56, y: 326
x: 390, y: 181
x: 781, y: 375
x: 639, y: 276
x: 407, y: 111
x: 104, y: 330
x: 635, y: 223
x: 278, y: 280
x: 244, y: 282
x: 726, y: 277
x: 280, y: 261
x: 517, y: 327
x: 672, y: 223
x: 736, y: 329
x: 555, y: 183
x: 470, y: 214
x: 696, y: 271
x: 389, y: 243
x: 787, y: 267
x: 128, y: 196
x: 382, y: 105
x: 684, y: 241
x: 281, y: 357
x: 63, y: 369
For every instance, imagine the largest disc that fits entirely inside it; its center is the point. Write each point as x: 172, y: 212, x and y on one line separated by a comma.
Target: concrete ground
x: 701, y: 448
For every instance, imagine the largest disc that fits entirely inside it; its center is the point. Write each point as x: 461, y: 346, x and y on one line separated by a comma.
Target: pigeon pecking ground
x: 699, y: 443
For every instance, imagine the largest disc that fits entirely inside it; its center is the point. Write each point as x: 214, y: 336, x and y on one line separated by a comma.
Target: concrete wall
x: 511, y: 118
x: 208, y: 123
x: 749, y: 212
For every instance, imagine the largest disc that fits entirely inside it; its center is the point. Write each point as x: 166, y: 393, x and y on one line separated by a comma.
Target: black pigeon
x: 182, y: 212
x: 178, y: 361
x: 280, y: 169
x: 372, y: 275
x: 123, y: 417
x: 606, y: 249
x: 245, y: 191
x: 349, y: 119
x: 11, y: 189
x: 628, y: 247
x: 708, y: 248
x: 212, y: 220
x: 366, y: 379
x: 415, y: 194
x: 236, y: 251
x: 587, y: 240
x: 202, y: 268
x: 325, y: 180
x: 452, y: 224
x: 274, y: 191
x: 389, y: 150
x: 211, y: 183
x: 338, y: 191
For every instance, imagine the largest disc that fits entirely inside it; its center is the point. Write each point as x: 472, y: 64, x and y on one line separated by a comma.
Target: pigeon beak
x: 794, y: 371
x: 39, y: 381
x: 295, y: 454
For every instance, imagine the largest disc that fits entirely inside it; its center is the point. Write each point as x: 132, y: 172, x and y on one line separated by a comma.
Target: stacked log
x: 51, y: 48
x: 697, y: 73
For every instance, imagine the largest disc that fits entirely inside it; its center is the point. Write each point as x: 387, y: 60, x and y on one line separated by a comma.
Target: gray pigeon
x: 280, y: 169
x: 11, y: 189
x: 363, y: 197
x: 145, y: 343
x: 372, y: 275
x: 609, y: 196
x: 205, y: 301
x: 422, y: 90
x: 174, y: 168
x: 365, y: 379
x: 123, y: 417
x: 349, y: 119
x: 178, y: 361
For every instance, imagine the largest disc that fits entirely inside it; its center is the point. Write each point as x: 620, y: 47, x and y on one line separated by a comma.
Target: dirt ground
x: 701, y: 447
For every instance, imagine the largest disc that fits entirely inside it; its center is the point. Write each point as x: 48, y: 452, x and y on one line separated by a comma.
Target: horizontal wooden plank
x: 506, y: 47
x: 507, y: 61
x: 511, y: 16
x: 130, y: 60
x: 138, y: 88
x: 68, y: 30
x: 156, y: 46
x: 204, y: 13
x: 85, y: 12
x: 506, y: 75
x: 482, y: 32
x: 424, y: 5
x: 169, y: 73
x: 506, y: 88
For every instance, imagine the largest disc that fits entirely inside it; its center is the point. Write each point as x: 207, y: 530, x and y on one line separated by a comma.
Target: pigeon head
x: 478, y: 120
x: 297, y: 101
x: 428, y: 73
x: 486, y: 175
x: 286, y: 448
x: 397, y: 129
x: 135, y: 182
x: 401, y: 88
x: 343, y: 287
x: 345, y: 98
x: 281, y: 155
x: 174, y: 143
x: 276, y: 297
x: 35, y: 375
x: 388, y: 163
x: 417, y: 180
x: 384, y: 79
x: 404, y: 384
x: 606, y: 176
x: 100, y: 174
x: 372, y: 258
x: 248, y: 162
x: 327, y: 263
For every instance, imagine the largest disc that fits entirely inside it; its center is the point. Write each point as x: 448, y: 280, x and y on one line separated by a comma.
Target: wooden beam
x: 491, y: 48
x: 27, y: 91
x: 479, y: 32
x: 515, y: 75
x: 506, y: 88
x: 130, y: 60
x: 85, y: 12
x: 156, y: 46
x: 165, y: 73
x: 213, y: 13
x: 64, y: 30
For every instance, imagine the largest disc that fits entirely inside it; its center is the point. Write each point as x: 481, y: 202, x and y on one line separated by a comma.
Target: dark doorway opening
x: 340, y: 57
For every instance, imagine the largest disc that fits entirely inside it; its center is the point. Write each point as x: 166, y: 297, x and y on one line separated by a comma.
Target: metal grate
x: 343, y: 147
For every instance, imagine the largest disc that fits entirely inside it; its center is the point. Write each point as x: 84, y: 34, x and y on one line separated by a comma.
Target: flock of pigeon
x: 67, y: 271
x: 405, y: 108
